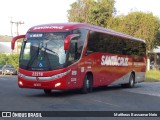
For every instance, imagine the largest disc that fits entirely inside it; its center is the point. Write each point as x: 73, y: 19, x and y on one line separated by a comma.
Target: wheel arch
x: 90, y: 74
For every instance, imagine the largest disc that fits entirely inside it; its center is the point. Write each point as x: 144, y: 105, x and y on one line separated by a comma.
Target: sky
x: 34, y: 12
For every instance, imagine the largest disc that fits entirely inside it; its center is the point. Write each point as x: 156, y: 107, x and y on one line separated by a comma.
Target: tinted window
x: 135, y: 48
x: 43, y: 51
x: 100, y: 42
x: 93, y: 42
x: 76, y: 46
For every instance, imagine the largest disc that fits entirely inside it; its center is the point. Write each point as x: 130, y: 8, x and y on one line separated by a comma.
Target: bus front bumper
x: 43, y: 83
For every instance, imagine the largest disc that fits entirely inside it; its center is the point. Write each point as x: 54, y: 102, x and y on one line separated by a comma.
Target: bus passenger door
x: 72, y: 63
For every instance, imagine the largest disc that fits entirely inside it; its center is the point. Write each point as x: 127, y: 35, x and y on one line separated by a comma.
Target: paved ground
x: 144, y: 97
x: 147, y: 88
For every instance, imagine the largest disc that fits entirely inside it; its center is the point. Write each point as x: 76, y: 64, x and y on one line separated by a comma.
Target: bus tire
x: 131, y: 82
x: 87, y: 84
x: 48, y: 92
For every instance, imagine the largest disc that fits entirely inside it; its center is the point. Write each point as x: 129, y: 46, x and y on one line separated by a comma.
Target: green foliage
x: 152, y: 76
x: 101, y: 12
x: 9, y: 59
x: 91, y: 11
x: 3, y: 59
x: 14, y: 60
x: 158, y: 36
x: 80, y: 11
x: 138, y: 24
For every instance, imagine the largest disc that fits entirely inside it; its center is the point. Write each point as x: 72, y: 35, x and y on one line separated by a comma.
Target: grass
x: 152, y: 76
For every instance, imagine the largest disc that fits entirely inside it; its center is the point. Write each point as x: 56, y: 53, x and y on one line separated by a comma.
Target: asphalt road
x: 144, y: 97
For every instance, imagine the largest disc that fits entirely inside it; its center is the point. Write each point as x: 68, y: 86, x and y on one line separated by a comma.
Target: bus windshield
x: 43, y: 51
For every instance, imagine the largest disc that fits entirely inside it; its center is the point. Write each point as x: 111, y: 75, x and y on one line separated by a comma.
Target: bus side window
x: 72, y: 50
x: 76, y: 46
x: 142, y: 49
x: 92, y: 42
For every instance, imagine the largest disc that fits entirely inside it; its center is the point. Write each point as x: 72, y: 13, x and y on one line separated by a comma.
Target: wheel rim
x: 87, y: 83
x: 132, y: 81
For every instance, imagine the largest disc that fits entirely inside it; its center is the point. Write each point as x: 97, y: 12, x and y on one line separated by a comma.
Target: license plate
x: 37, y: 84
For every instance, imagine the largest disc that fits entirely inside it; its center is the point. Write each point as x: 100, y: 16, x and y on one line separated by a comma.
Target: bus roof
x: 70, y: 26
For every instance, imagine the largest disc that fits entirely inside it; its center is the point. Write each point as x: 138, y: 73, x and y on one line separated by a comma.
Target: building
x: 154, y: 59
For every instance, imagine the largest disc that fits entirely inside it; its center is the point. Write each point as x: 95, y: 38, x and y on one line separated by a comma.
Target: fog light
x: 20, y: 82
x: 57, y: 84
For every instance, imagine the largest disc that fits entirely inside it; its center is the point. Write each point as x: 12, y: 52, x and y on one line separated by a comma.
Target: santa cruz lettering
x: 48, y: 27
x: 114, y: 61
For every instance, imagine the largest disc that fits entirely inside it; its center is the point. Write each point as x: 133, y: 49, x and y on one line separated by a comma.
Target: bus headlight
x: 57, y: 84
x: 21, y: 83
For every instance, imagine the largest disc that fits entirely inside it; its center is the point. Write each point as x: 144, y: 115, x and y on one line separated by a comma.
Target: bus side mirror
x: 15, y: 39
x: 68, y: 39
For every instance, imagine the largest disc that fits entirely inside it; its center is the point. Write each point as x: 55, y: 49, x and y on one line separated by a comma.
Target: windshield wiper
x: 33, y: 58
x: 49, y: 65
x: 41, y: 52
x: 51, y: 51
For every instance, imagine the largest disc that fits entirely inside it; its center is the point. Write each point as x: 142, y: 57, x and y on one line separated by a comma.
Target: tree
x: 3, y: 59
x: 158, y: 36
x: 138, y: 24
x: 80, y: 10
x: 11, y: 59
x: 101, y: 12
x: 91, y: 11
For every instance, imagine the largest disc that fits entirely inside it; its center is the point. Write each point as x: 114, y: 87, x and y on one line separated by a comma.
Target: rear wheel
x: 87, y: 84
x: 46, y: 91
x: 131, y: 82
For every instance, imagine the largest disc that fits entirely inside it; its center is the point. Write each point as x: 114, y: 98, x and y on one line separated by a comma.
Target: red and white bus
x: 79, y: 56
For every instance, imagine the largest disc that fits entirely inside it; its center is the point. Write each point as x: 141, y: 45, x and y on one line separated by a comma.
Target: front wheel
x: 87, y: 84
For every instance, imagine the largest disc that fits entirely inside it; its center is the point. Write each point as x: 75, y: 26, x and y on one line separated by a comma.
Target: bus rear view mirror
x: 68, y: 39
x: 15, y: 39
